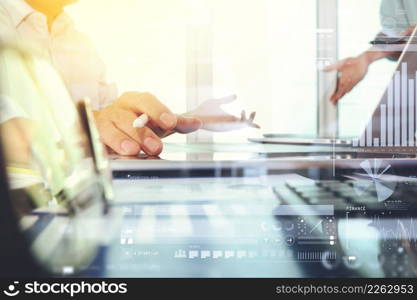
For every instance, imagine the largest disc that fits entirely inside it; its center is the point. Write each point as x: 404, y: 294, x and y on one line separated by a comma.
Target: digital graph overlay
x: 394, y: 122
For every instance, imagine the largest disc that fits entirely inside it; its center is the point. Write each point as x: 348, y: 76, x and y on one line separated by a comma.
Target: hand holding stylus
x: 115, y: 124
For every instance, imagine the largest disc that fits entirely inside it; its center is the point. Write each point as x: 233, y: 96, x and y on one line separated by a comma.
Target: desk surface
x: 192, y: 156
x: 226, y: 220
x: 217, y: 227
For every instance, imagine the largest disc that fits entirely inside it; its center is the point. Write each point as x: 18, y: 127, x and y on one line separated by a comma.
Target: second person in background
x: 398, y: 20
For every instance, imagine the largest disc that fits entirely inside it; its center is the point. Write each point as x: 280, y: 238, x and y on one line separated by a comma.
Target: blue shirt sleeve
x: 394, y: 16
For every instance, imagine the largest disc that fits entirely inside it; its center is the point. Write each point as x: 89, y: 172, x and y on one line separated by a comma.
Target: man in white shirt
x: 43, y: 25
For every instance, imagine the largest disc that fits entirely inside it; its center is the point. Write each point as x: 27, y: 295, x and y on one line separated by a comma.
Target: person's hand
x: 114, y: 124
x: 350, y: 71
x: 185, y: 124
x: 408, y: 32
x: 214, y: 118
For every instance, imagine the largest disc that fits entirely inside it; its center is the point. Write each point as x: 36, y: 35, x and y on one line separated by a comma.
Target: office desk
x: 249, y: 159
x: 188, y: 219
x: 229, y: 228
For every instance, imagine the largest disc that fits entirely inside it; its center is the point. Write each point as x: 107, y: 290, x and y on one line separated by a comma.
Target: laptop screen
x: 56, y: 193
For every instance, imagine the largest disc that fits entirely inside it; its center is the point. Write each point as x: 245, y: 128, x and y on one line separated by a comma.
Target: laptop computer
x: 393, y: 123
x: 52, y: 209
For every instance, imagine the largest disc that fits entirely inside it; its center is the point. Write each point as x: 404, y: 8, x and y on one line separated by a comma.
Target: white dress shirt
x: 68, y: 50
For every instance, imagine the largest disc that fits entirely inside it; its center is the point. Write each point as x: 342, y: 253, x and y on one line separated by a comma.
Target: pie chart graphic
x: 373, y: 180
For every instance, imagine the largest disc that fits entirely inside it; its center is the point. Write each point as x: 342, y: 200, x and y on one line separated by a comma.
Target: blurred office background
x: 265, y: 51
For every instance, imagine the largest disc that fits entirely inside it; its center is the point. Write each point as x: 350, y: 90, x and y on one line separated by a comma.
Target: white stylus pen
x: 140, y: 121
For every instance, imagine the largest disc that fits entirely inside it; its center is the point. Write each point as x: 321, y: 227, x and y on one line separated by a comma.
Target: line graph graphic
x: 396, y: 229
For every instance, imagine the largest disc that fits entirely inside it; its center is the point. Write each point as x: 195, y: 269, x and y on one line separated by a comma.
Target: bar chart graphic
x: 393, y: 123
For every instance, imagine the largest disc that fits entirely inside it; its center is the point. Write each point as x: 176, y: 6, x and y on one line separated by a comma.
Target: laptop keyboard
x: 347, y: 195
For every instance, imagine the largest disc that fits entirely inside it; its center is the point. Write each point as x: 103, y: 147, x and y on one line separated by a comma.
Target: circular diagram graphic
x: 373, y: 180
